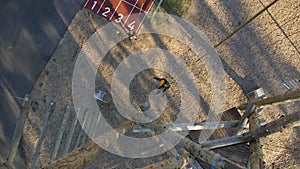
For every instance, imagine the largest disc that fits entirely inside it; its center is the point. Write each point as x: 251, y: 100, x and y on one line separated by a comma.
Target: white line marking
x: 130, y: 12
x: 141, y: 23
x: 133, y: 5
x: 86, y: 3
x: 115, y: 9
x: 101, y: 6
x: 95, y: 3
x: 150, y: 6
x: 286, y: 86
x: 137, y: 30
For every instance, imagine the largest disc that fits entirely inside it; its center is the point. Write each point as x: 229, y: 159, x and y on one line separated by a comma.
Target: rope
x: 246, y: 23
x: 236, y: 30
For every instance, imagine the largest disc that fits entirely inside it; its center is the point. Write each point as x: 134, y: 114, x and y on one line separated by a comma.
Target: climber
x: 164, y: 84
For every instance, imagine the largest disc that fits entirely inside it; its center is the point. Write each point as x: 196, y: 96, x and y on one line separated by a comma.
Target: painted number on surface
x: 107, y: 10
x: 119, y: 19
x: 131, y: 25
x: 95, y: 3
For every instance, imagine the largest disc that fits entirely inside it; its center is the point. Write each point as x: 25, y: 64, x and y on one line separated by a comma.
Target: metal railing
x: 66, y: 148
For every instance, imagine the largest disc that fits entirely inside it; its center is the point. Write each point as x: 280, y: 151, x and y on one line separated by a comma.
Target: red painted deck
x: 130, y: 14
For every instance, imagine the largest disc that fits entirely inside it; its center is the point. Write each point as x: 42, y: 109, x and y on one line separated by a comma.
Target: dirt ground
x: 265, y: 53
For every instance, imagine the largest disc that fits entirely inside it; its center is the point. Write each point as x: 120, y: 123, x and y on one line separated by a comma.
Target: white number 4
x: 131, y: 25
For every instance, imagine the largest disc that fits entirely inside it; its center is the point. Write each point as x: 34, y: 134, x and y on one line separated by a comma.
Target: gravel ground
x: 264, y: 53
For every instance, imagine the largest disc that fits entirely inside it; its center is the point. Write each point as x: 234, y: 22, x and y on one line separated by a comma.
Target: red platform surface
x: 130, y: 14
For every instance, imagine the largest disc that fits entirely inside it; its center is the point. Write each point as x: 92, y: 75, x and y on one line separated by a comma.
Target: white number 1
x: 95, y: 3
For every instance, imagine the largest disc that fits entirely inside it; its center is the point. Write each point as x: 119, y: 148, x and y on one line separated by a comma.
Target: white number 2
x: 118, y: 20
x: 106, y: 12
x: 131, y: 25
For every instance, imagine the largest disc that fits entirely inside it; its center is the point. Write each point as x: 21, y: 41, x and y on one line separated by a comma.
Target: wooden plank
x: 202, y: 125
x: 263, y: 131
x: 229, y: 115
x: 238, y: 154
x: 275, y: 100
x: 256, y: 154
x: 248, y: 112
x: 81, y: 157
x: 173, y: 161
x: 190, y: 126
x: 198, y: 151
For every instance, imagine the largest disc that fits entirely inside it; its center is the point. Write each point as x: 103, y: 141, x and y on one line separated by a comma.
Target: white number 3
x: 118, y: 20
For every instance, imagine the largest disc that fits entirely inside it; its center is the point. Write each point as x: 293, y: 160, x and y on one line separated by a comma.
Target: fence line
x: 18, y: 131
x: 70, y: 135
x: 36, y: 155
x: 60, y: 134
